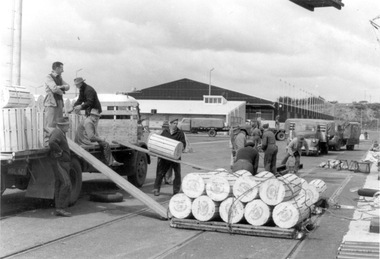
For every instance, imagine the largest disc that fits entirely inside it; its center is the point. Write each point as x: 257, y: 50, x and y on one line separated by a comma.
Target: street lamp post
x: 209, y: 85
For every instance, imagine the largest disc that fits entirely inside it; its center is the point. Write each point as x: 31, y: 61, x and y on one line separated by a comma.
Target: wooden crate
x: 242, y: 229
x: 21, y: 129
x: 118, y: 130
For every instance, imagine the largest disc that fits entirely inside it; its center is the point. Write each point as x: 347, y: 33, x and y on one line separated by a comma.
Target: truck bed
x: 43, y: 152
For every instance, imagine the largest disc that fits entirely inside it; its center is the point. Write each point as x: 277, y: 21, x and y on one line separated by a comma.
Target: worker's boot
x: 62, y: 213
x: 156, y: 192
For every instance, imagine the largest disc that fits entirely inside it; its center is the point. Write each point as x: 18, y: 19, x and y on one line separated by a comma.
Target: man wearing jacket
x: 163, y: 165
x: 88, y: 97
x: 61, y: 160
x: 87, y: 135
x: 270, y: 149
x: 294, y: 149
x: 55, y: 87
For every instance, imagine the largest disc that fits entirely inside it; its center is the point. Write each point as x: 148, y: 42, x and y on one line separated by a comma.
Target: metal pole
x: 209, y: 84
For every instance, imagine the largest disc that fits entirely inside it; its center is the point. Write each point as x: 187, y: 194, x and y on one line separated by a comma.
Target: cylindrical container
x: 274, y: 191
x: 320, y: 184
x: 257, y: 212
x: 289, y: 213
x: 293, y: 181
x: 205, y: 209
x: 241, y: 172
x: 219, y: 187
x: 180, y: 206
x: 231, y: 210
x: 15, y: 97
x: 194, y: 184
x: 311, y: 193
x: 246, y: 189
x: 263, y: 176
x: 164, y: 146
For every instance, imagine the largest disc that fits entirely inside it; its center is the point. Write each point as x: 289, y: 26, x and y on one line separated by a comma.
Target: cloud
x: 251, y: 44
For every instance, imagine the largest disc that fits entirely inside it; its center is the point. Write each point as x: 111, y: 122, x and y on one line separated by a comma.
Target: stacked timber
x: 239, y: 197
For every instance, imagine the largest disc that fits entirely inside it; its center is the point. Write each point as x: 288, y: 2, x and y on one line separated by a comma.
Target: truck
x: 346, y: 134
x: 316, y: 133
x: 278, y: 133
x: 210, y: 125
x: 25, y: 160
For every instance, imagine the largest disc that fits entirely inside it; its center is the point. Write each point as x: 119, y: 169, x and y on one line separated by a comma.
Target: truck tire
x: 280, y: 136
x: 350, y: 147
x: 106, y: 197
x: 76, y: 180
x: 212, y: 133
x: 139, y: 169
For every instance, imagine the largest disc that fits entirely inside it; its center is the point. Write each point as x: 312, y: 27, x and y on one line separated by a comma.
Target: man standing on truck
x: 88, y: 97
x: 55, y: 88
x: 270, y: 149
x: 60, y: 154
x: 163, y: 165
x: 87, y: 135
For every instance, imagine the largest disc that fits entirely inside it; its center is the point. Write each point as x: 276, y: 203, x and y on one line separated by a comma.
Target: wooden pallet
x: 241, y: 229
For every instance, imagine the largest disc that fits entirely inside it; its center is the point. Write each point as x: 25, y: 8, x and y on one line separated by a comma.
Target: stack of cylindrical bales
x: 242, y: 198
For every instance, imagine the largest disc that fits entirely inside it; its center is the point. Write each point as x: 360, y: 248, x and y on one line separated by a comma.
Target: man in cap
x: 61, y: 160
x: 163, y: 165
x: 238, y: 139
x: 55, y: 87
x: 87, y: 135
x: 88, y: 98
x: 247, y: 158
x: 294, y: 149
x: 270, y: 149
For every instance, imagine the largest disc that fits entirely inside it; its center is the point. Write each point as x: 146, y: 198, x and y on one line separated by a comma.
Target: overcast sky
x: 261, y: 48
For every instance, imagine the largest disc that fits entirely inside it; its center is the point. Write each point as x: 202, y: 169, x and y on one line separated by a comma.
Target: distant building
x: 155, y: 112
x: 158, y: 97
x: 190, y: 90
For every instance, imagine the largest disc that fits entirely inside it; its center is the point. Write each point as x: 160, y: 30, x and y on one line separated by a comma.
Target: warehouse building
x: 189, y: 98
x: 186, y: 90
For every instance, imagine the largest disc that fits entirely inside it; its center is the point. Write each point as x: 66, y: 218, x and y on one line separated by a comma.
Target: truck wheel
x: 350, y: 147
x: 280, y: 136
x: 76, y: 180
x: 212, y: 133
x: 139, y: 169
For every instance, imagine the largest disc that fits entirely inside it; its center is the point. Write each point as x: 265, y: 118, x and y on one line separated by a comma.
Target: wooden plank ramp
x: 242, y: 229
x: 116, y: 178
x: 140, y: 149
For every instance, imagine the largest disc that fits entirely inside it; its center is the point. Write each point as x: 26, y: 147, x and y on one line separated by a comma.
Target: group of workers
x: 56, y: 126
x: 248, y: 140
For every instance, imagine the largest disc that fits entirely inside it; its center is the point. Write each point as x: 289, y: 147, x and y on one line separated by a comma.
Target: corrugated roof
x: 186, y: 89
x: 188, y: 107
